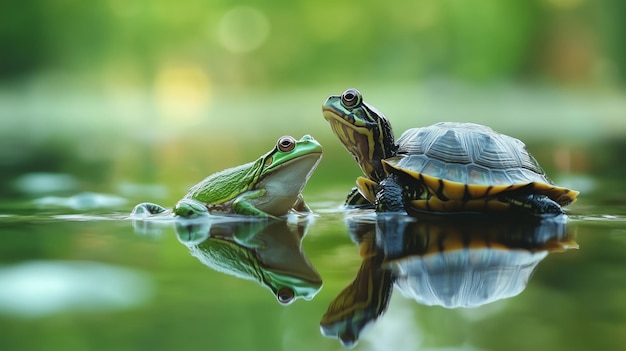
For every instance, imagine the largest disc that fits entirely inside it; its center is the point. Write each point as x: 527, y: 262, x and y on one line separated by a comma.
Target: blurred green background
x: 222, y: 45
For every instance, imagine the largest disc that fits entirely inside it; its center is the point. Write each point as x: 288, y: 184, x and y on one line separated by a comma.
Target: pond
x: 88, y: 279
x: 76, y: 273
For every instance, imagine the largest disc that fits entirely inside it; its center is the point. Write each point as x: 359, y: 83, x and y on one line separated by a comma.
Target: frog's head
x: 363, y: 130
x: 289, y: 153
x: 284, y: 171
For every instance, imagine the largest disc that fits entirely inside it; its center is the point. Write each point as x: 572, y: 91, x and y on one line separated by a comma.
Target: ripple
x: 599, y: 217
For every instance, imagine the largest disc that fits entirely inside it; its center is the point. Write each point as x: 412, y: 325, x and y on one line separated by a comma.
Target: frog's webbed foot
x: 188, y: 208
x: 147, y: 208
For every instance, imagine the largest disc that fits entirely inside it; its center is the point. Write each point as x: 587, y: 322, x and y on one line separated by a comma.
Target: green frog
x: 269, y: 187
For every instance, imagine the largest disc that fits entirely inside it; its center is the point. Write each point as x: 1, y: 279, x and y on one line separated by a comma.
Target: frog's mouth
x: 284, y: 185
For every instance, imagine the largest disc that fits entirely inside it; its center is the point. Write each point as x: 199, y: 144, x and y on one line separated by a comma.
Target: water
x: 77, y: 274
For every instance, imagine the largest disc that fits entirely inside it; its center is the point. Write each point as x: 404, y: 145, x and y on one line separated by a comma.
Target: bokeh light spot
x: 243, y: 29
x: 182, y: 92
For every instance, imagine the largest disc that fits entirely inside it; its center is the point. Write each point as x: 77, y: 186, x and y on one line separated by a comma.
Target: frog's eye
x: 285, y: 295
x: 351, y: 98
x: 286, y: 143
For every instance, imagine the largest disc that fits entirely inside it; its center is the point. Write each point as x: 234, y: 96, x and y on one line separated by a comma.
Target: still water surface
x: 78, y: 274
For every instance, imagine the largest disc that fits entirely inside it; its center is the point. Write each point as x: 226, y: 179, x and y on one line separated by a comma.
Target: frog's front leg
x: 243, y: 205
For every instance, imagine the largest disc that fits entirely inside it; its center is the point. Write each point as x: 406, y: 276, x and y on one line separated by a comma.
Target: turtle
x: 448, y: 167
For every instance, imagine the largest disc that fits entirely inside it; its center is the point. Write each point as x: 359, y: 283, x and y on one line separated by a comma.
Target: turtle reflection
x: 268, y: 252
x: 468, y: 263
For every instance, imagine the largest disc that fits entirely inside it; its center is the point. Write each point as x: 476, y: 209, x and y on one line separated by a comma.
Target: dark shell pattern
x: 467, y: 153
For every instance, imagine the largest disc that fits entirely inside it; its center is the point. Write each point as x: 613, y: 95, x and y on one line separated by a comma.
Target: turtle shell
x: 466, y: 166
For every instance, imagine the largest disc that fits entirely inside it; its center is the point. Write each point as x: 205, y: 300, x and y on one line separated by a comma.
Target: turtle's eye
x: 285, y: 295
x: 286, y: 144
x: 351, y: 98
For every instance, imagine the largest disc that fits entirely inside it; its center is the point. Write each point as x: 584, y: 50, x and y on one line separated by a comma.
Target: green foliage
x: 310, y: 42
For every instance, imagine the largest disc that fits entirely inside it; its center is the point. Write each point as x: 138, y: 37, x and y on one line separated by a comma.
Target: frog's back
x: 221, y: 187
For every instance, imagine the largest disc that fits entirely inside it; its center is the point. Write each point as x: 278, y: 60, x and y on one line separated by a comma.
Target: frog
x: 269, y: 187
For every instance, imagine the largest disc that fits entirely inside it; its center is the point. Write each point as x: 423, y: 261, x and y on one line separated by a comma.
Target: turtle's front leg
x: 390, y: 196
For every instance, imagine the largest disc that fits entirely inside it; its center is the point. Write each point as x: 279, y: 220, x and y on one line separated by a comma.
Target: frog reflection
x: 268, y: 252
x: 468, y: 263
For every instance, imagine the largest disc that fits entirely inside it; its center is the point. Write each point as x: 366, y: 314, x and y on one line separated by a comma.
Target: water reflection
x: 268, y: 252
x: 468, y: 263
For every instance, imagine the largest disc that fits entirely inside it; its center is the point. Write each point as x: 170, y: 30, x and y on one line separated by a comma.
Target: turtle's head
x: 363, y: 130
